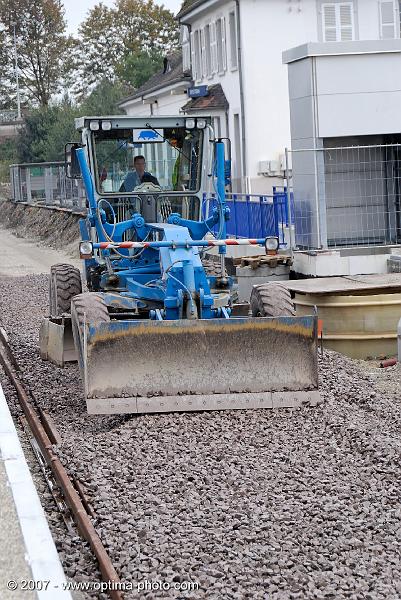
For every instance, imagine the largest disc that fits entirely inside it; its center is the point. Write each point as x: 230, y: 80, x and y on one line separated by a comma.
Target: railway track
x: 69, y: 492
x: 300, y: 504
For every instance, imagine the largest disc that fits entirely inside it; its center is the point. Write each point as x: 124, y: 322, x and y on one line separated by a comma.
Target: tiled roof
x: 162, y: 78
x: 215, y: 99
x: 188, y: 5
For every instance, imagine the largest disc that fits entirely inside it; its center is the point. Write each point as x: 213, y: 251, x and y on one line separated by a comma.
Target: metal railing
x: 8, y: 116
x: 346, y: 196
x: 251, y: 215
x: 45, y: 183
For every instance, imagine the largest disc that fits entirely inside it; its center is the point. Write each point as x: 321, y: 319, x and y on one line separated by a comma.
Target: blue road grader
x: 159, y: 328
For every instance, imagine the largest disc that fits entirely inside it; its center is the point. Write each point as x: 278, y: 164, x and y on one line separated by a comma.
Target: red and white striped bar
x: 178, y: 244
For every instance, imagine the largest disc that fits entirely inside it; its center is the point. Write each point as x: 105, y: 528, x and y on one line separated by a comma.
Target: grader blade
x: 164, y: 366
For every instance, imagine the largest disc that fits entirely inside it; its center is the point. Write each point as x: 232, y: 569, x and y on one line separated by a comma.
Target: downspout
x: 241, y: 92
x: 229, y: 153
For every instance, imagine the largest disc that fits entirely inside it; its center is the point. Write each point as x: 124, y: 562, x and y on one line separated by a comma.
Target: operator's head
x: 139, y: 165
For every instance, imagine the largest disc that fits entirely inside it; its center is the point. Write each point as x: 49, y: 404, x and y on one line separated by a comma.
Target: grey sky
x: 76, y: 10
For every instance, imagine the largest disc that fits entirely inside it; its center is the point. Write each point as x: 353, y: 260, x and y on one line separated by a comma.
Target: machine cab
x: 154, y: 166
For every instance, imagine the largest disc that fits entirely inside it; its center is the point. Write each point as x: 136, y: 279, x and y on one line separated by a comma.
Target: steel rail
x: 71, y: 496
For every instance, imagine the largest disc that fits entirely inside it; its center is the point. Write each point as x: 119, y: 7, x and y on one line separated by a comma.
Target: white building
x: 235, y: 47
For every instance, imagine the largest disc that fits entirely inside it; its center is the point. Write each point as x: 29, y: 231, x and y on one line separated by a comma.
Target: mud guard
x: 56, y: 342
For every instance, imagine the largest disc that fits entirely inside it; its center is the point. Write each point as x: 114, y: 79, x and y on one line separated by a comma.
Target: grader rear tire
x: 65, y: 283
x: 271, y: 300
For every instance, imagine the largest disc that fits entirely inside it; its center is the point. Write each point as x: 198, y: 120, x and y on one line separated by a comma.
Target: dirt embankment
x: 55, y: 228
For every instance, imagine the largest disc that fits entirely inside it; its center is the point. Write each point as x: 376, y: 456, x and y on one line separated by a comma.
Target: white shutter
x: 387, y: 20
x: 346, y: 22
x: 329, y: 22
x: 213, y: 46
x: 223, y: 44
x: 338, y: 22
x: 208, y: 56
x: 203, y: 51
x: 193, y: 57
x: 186, y: 57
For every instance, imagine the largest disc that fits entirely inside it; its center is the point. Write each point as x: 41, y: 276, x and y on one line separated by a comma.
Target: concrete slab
x: 387, y: 283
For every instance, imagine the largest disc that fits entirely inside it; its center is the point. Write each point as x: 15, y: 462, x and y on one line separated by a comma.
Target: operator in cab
x: 137, y: 176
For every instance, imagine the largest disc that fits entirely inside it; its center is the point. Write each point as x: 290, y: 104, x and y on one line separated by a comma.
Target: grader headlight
x: 85, y: 250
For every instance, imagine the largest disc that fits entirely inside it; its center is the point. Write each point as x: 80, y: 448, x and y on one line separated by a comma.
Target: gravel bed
x: 248, y: 504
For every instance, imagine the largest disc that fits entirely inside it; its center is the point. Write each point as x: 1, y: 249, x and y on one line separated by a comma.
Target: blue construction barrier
x: 255, y: 216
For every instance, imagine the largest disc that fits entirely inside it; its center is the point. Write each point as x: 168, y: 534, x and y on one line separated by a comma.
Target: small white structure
x: 345, y: 128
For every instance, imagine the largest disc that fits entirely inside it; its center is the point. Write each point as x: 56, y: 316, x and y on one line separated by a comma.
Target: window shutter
x: 213, y: 47
x: 387, y: 20
x: 346, y: 22
x: 329, y: 23
x: 186, y: 58
x: 208, y: 51
x: 233, y: 40
x: 193, y: 57
x: 203, y: 51
x: 223, y: 44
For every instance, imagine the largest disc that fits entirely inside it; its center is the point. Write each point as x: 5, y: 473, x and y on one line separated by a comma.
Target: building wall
x: 268, y: 28
x: 163, y: 103
x: 226, y: 124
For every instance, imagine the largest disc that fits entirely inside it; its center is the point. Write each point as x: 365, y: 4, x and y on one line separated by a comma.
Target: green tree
x: 104, y: 98
x: 47, y: 129
x: 45, y: 132
x: 44, y: 51
x: 138, y: 67
x: 110, y: 36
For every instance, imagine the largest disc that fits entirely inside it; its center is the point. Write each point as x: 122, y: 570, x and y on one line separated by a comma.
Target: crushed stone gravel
x: 247, y: 504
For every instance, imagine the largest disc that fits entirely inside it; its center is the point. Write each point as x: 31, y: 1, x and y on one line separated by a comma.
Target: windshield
x: 135, y: 160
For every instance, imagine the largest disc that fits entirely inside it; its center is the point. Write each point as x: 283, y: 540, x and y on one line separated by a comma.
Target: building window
x: 221, y: 45
x: 233, y: 40
x: 387, y: 20
x: 338, y: 22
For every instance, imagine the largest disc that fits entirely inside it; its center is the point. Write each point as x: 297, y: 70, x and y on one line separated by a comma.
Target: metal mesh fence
x: 346, y: 196
x: 45, y: 183
x: 255, y: 216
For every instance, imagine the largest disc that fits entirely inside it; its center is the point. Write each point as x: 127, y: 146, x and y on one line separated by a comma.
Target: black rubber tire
x: 65, y: 283
x: 212, y: 268
x: 271, y: 300
x: 92, y: 305
x: 90, y: 308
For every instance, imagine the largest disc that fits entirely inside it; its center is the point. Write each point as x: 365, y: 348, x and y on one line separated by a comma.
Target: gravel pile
x: 54, y: 228
x: 255, y: 504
